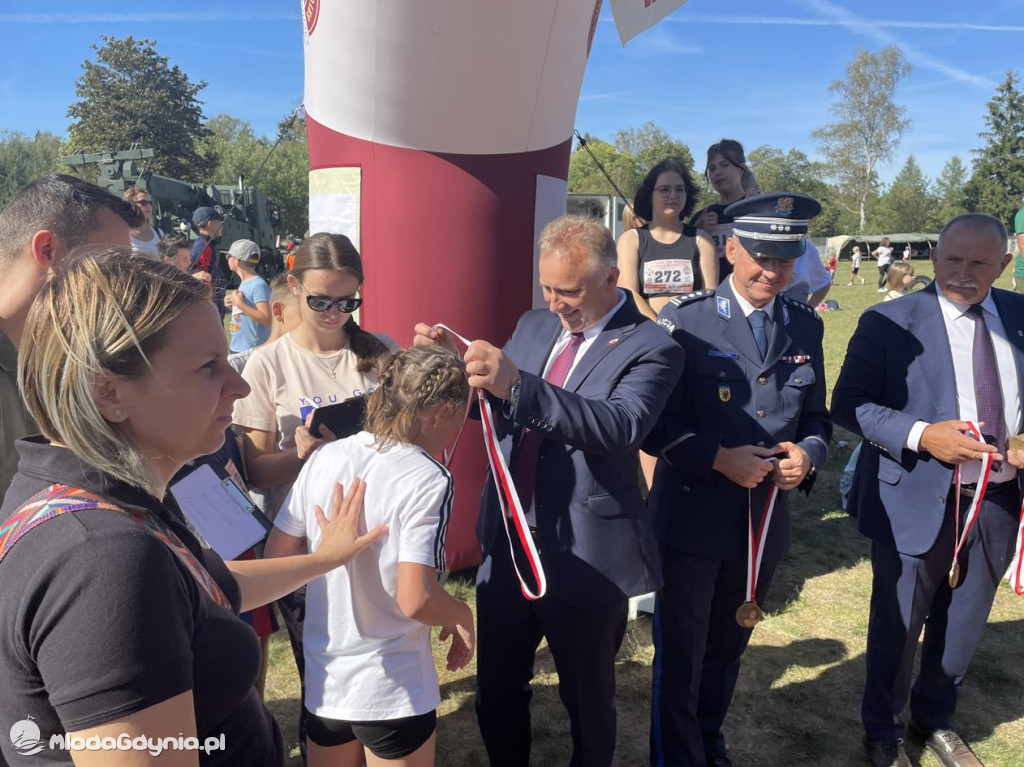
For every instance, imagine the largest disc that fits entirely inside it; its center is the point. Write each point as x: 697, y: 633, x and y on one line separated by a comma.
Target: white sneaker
x: 849, y: 284
x: 881, y: 290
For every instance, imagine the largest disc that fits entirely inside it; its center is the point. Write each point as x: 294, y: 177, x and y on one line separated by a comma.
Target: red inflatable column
x: 439, y: 139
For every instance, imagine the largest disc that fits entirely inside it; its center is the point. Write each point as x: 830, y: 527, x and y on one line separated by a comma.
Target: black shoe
x: 887, y: 753
x: 720, y: 761
x: 947, y: 746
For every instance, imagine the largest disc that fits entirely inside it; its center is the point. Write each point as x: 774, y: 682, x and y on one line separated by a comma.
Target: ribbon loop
x: 959, y: 538
x: 508, y: 496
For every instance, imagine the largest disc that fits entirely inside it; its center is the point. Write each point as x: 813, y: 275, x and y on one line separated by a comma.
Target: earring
x: 119, y: 413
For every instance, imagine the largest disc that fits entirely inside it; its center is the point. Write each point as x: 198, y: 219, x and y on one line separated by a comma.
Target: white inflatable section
x: 458, y: 76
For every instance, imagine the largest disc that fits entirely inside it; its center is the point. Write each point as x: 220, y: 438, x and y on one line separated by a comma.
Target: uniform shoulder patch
x: 799, y: 305
x: 688, y: 297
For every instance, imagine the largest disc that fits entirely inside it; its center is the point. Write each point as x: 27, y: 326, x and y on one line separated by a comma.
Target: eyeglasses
x: 144, y: 202
x: 323, y: 303
x: 665, y: 191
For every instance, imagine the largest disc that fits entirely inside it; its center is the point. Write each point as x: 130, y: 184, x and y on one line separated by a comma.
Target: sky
x: 712, y: 69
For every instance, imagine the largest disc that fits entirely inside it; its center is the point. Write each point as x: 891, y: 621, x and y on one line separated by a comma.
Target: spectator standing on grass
x: 898, y: 280
x: 855, y: 258
x: 918, y: 372
x: 203, y: 257
x: 250, y: 302
x: 371, y: 686
x: 907, y: 252
x: 727, y: 172
x: 146, y: 236
x: 1018, y: 259
x: 885, y: 258
x: 747, y: 417
x: 38, y: 226
x: 831, y: 268
x: 122, y: 623
x: 327, y: 358
x: 575, y: 390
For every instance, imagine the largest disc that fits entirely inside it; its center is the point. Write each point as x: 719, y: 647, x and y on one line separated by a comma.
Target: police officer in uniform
x: 748, y: 415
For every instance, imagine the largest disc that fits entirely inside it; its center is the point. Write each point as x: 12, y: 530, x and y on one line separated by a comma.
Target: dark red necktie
x: 524, y: 467
x: 988, y: 394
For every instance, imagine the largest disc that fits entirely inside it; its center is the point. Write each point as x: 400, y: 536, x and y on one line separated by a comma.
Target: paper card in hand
x: 344, y: 419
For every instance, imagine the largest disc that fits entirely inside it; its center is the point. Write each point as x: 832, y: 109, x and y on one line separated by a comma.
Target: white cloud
x: 795, y: 21
x: 107, y: 18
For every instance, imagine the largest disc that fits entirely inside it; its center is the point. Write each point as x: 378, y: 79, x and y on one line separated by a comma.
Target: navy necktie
x: 988, y: 394
x: 758, y: 319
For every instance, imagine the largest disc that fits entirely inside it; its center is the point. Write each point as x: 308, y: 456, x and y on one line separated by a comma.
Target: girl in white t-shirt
x: 371, y: 687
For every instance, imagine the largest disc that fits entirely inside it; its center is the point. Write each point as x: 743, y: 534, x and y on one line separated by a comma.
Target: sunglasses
x: 143, y: 202
x: 323, y: 303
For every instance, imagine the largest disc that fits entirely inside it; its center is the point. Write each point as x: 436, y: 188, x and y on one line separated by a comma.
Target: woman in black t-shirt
x: 666, y: 258
x: 728, y: 173
x: 118, y: 623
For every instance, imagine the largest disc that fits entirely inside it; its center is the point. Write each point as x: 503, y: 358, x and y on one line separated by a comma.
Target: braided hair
x: 411, y: 381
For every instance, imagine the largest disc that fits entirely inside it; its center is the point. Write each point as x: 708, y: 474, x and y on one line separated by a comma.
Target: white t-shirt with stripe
x: 366, y: 661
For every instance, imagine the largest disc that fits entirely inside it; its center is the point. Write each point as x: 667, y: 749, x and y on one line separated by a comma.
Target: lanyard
x: 508, y: 497
x: 749, y: 614
x: 959, y: 539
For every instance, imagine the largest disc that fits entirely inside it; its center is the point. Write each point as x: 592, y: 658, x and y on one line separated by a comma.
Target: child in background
x: 250, y: 303
x: 370, y: 680
x: 900, y: 275
x: 831, y: 268
x: 284, y: 317
x: 173, y: 249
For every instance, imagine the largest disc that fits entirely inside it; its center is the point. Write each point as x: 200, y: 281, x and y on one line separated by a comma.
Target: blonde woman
x: 371, y: 688
x: 122, y: 623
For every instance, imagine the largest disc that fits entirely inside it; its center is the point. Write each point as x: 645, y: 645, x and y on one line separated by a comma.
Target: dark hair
x: 336, y: 251
x: 170, y: 244
x: 642, y: 199
x: 62, y: 204
x: 732, y: 150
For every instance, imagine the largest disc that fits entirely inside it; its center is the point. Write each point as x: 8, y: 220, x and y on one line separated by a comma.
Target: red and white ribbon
x: 756, y: 542
x: 508, y: 496
x: 972, y: 514
x: 1017, y: 568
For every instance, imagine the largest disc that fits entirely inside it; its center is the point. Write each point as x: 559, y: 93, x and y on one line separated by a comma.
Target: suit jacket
x: 595, y: 538
x: 899, y: 370
x: 729, y: 397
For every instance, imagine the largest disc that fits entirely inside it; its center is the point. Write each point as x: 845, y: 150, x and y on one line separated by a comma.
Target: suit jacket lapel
x: 538, y: 353
x: 618, y: 327
x: 737, y: 328
x: 780, y: 340
x: 937, y: 360
x: 1013, y: 324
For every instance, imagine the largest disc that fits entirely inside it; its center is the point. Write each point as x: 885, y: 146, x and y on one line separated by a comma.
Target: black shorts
x: 856, y: 269
x: 386, y: 739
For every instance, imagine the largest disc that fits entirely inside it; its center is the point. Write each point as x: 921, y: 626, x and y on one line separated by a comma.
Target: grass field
x: 798, y: 698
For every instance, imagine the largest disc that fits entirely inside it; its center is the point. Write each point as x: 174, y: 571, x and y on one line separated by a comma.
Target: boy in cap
x: 203, y: 258
x: 747, y: 423
x: 250, y: 303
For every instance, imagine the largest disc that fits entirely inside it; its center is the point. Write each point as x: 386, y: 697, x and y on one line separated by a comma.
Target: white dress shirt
x: 748, y: 308
x: 960, y: 331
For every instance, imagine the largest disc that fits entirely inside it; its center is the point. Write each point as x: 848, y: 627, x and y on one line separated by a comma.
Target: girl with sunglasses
x: 326, y: 359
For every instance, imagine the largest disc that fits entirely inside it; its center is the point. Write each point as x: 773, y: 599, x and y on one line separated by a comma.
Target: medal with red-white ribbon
x: 749, y: 613
x: 959, y: 539
x: 1017, y: 571
x: 508, y: 496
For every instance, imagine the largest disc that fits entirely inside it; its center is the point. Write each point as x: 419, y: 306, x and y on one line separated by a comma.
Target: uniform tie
x: 757, y: 319
x: 988, y: 394
x: 524, y: 468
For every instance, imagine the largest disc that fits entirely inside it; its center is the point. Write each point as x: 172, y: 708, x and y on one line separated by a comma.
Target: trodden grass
x: 798, y: 697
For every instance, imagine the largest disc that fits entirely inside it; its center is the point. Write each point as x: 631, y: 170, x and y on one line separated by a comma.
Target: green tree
x: 997, y: 184
x: 283, y: 170
x: 950, y: 193
x: 868, y: 126
x: 23, y: 159
x: 586, y: 178
x: 794, y: 171
x: 131, y: 95
x: 648, y: 145
x: 907, y: 205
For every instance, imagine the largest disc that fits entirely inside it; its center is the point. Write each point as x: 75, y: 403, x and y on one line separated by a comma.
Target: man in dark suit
x: 576, y: 389
x: 748, y: 413
x: 917, y: 371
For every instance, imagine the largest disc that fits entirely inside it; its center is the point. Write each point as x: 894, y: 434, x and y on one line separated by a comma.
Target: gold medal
x: 1016, y: 442
x: 749, y: 615
x: 954, y: 575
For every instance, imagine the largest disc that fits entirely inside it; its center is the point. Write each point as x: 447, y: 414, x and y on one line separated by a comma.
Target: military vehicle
x: 248, y: 213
